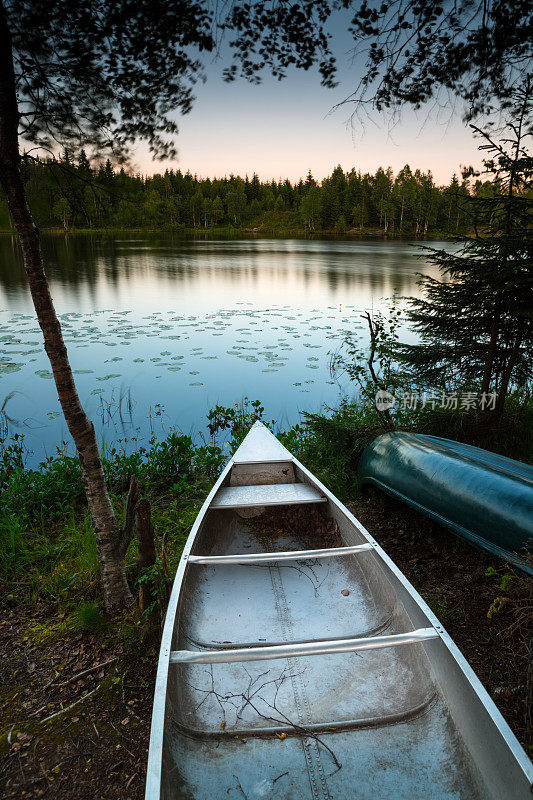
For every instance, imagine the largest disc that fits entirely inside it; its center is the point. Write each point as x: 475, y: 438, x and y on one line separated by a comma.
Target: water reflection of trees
x: 81, y: 262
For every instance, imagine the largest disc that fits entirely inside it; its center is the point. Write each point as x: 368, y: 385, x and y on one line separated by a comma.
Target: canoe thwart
x: 266, y: 495
x: 291, y: 555
x: 291, y: 650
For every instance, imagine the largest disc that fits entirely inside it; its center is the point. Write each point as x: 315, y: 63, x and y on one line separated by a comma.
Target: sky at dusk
x: 283, y: 129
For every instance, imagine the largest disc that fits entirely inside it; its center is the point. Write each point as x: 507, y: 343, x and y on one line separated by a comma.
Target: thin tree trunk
x: 491, y: 350
x: 146, y: 548
x: 108, y: 535
x: 508, y: 371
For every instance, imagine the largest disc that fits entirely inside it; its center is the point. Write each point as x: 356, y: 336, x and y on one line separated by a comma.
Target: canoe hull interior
x: 410, y: 721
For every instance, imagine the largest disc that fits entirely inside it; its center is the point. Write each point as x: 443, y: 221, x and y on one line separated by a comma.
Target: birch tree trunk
x: 109, y: 538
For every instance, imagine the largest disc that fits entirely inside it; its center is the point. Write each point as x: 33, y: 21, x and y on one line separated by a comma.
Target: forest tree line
x: 68, y: 194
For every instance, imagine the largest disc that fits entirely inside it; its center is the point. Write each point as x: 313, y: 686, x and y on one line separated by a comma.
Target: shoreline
x: 246, y: 233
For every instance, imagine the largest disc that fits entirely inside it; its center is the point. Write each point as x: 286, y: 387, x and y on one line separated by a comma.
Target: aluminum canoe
x: 312, y: 673
x: 481, y: 496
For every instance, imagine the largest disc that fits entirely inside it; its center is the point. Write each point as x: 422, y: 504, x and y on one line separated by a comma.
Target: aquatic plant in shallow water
x: 241, y: 332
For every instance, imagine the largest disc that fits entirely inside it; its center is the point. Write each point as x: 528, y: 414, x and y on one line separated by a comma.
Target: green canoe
x: 483, y: 497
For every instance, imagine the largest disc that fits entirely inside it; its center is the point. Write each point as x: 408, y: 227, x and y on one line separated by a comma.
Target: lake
x: 160, y: 329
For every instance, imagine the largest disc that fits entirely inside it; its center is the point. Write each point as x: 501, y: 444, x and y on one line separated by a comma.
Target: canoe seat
x: 281, y: 494
x: 291, y: 555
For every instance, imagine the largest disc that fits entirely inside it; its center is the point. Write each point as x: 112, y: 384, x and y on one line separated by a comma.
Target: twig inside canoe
x: 298, y: 728
x: 251, y: 694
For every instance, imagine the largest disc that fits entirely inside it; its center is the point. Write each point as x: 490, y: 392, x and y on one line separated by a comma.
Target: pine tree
x: 217, y: 209
x: 255, y: 188
x: 236, y: 200
x: 476, y: 326
x: 84, y: 166
x: 331, y: 202
x: 279, y: 205
x: 62, y: 211
x: 310, y: 208
x: 309, y: 180
x: 404, y: 195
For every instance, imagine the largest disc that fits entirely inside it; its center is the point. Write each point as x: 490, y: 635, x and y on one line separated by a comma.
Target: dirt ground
x: 72, y: 737
x: 76, y: 708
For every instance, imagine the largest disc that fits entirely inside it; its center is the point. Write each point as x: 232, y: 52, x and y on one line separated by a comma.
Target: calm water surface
x: 159, y: 330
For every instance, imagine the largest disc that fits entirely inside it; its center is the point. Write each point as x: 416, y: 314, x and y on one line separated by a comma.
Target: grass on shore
x: 47, y: 548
